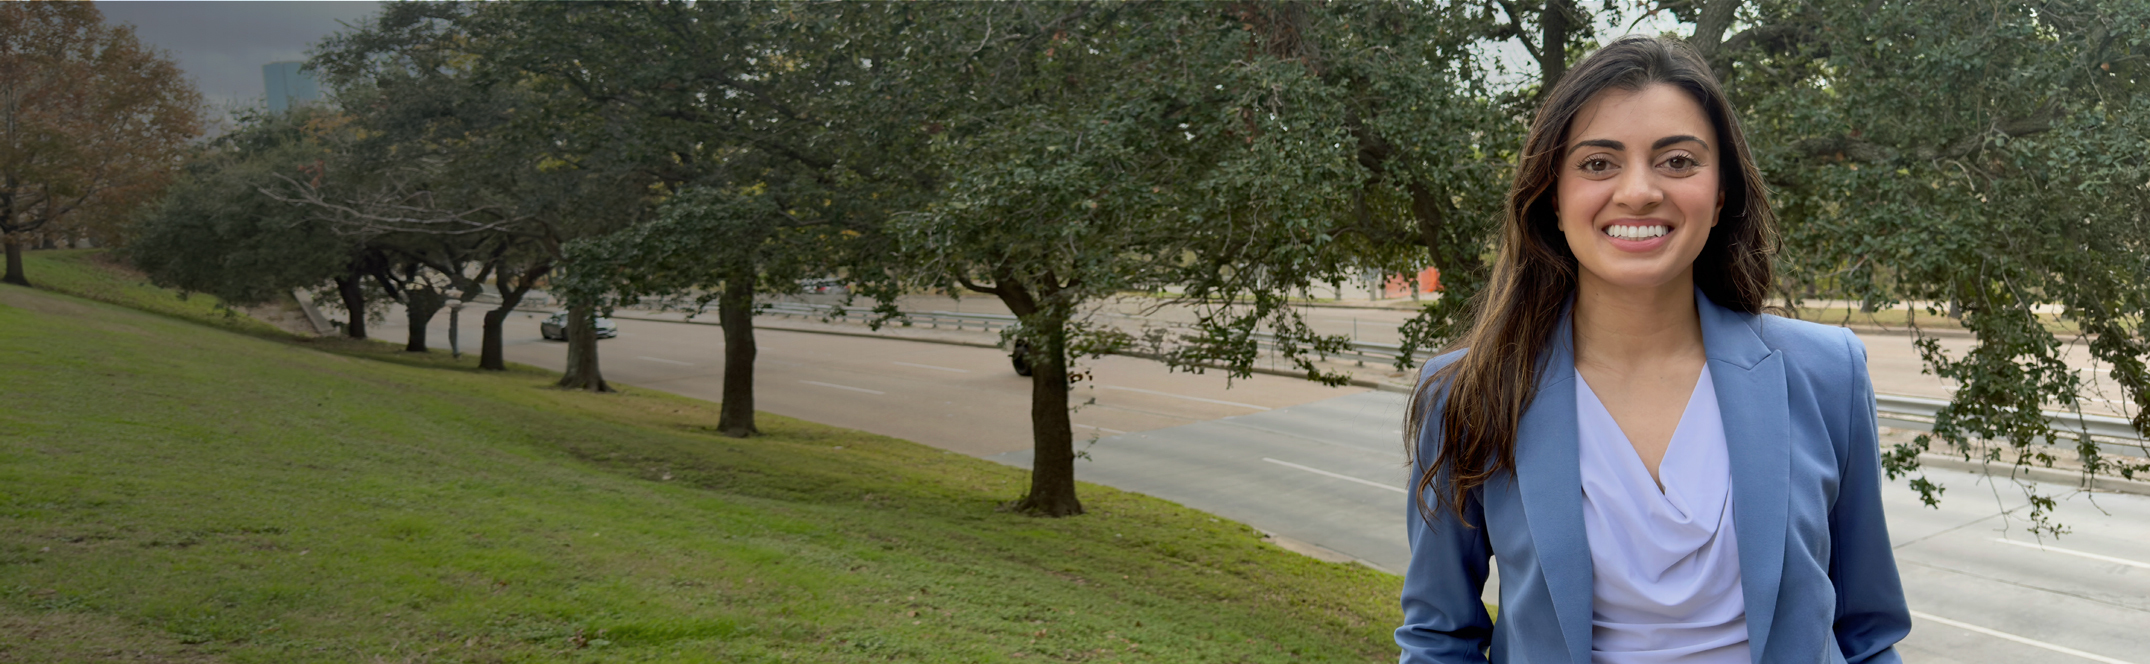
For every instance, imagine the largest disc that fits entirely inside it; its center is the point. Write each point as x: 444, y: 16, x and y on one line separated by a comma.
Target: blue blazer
x: 1815, y: 564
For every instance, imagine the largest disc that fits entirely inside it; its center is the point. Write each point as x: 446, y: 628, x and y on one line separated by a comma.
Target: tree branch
x: 1515, y: 22
x: 967, y: 283
x: 393, y: 209
x: 1853, y: 149
x: 1716, y: 17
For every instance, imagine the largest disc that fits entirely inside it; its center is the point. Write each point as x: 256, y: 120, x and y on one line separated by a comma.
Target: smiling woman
x: 1662, y: 472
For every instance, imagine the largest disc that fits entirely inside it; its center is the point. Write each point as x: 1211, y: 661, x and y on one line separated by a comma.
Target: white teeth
x: 1636, y: 232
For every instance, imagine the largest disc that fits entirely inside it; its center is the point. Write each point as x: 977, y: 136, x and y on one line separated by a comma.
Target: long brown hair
x: 1514, y: 318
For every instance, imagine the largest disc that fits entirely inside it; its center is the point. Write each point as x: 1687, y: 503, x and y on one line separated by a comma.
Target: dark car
x: 555, y: 328
x: 1021, y: 358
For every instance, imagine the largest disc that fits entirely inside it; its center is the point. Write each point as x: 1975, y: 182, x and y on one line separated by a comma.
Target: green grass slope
x: 91, y: 274
x: 172, y: 492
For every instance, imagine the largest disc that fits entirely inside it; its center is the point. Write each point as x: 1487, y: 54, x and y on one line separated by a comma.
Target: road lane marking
x: 843, y: 387
x: 1347, y: 478
x: 659, y: 359
x: 2074, y: 552
x: 1110, y: 431
x: 2065, y: 650
x: 1182, y: 396
x: 929, y: 366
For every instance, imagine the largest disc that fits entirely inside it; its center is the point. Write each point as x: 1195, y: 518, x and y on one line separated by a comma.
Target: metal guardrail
x: 1906, y: 412
x: 1900, y: 411
x: 1362, y: 350
x: 936, y: 319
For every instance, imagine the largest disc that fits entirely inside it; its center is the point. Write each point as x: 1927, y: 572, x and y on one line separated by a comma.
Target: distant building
x: 289, y: 84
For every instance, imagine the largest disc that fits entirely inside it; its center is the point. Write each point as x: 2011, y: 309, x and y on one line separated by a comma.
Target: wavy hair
x: 1486, y: 391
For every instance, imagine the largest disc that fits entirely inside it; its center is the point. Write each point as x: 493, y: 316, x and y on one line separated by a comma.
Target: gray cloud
x: 222, y: 45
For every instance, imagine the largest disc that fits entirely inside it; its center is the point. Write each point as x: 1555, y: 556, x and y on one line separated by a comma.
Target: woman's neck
x: 1621, y: 328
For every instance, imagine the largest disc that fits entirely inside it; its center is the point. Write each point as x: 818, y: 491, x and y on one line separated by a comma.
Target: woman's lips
x: 1638, y: 236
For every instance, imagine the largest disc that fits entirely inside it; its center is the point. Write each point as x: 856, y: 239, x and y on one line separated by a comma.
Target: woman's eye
x: 1595, y: 165
x: 1681, y: 163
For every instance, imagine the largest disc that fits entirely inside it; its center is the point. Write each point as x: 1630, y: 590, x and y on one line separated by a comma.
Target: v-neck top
x: 1664, y: 564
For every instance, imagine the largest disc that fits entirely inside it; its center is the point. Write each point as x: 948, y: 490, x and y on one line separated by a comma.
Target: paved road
x: 1323, y: 466
x: 1895, y: 362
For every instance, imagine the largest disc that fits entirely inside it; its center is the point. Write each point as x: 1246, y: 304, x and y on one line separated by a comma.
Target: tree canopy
x: 89, y: 118
x: 1984, y: 164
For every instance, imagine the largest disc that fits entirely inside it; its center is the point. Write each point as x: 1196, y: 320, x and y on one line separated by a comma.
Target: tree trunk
x: 1052, y: 462
x: 353, y: 290
x: 1553, y: 45
x: 420, y: 305
x: 489, y: 347
x: 582, y: 373
x: 14, y: 261
x: 492, y: 348
x: 735, y: 311
x: 1431, y: 213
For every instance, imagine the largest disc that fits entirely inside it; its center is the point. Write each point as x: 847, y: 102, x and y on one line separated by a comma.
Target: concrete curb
x: 1906, y: 331
x: 839, y: 333
x: 313, y: 314
x: 1355, y: 382
x: 2053, y: 475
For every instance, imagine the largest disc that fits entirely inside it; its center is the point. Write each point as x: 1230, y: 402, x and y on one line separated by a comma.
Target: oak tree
x: 89, y: 116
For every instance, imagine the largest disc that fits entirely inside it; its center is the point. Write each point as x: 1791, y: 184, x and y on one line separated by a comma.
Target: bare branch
x: 396, y: 208
x: 1515, y: 21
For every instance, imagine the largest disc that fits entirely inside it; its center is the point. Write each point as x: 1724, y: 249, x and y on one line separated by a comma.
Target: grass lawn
x: 88, y: 273
x: 174, y: 492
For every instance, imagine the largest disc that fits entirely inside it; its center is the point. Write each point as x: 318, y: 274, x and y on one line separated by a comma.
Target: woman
x: 1662, y: 473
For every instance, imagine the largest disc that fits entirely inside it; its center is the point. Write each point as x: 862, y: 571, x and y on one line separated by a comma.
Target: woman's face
x: 1638, y: 188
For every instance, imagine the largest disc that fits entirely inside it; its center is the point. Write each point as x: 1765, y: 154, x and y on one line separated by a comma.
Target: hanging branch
x: 396, y: 208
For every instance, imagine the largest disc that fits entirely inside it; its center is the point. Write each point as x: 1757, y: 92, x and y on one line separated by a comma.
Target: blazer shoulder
x: 1813, y: 348
x: 1441, y: 360
x: 1437, y: 362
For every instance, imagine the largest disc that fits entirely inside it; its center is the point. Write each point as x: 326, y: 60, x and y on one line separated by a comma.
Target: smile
x: 1637, y: 232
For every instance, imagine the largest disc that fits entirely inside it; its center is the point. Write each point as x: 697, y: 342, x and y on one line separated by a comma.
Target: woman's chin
x: 1641, y: 278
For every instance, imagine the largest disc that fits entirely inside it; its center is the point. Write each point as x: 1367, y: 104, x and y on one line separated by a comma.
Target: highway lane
x: 1323, y: 466
x: 1329, y: 473
x: 960, y: 398
x: 1892, y: 359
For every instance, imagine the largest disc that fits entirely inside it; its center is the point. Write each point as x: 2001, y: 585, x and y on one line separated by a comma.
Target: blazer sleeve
x: 1870, y: 612
x: 1443, y: 619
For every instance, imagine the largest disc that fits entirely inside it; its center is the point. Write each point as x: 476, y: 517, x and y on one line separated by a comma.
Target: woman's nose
x: 1638, y: 190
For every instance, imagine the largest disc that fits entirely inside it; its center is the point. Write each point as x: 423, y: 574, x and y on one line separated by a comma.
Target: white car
x: 555, y: 328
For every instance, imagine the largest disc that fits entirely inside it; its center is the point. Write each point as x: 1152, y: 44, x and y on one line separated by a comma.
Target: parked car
x: 1021, y: 358
x: 1018, y: 352
x: 822, y: 286
x: 555, y: 328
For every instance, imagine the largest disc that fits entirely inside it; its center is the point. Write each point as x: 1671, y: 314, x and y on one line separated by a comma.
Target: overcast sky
x: 222, y: 45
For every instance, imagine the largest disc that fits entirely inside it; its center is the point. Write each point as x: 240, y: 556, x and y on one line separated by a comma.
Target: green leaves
x: 1980, y: 160
x: 688, y: 251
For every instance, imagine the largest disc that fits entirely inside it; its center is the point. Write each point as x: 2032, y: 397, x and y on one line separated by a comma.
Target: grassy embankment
x: 87, y: 273
x: 173, y: 492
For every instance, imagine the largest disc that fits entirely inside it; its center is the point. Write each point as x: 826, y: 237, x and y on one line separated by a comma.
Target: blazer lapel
x: 1549, y: 472
x: 1752, y: 400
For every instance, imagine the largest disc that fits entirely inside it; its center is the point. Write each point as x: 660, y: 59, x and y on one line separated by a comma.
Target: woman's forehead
x: 1639, y: 119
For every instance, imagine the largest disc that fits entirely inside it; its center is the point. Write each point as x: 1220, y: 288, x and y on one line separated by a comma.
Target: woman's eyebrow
x: 1669, y: 140
x: 1600, y: 143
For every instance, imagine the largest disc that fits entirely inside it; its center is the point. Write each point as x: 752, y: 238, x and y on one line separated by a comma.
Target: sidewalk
x: 1368, y: 375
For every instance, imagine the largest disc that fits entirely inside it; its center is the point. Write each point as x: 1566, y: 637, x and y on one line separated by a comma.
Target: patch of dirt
x: 285, y: 314
x: 36, y: 301
x: 111, y: 261
x: 81, y: 637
